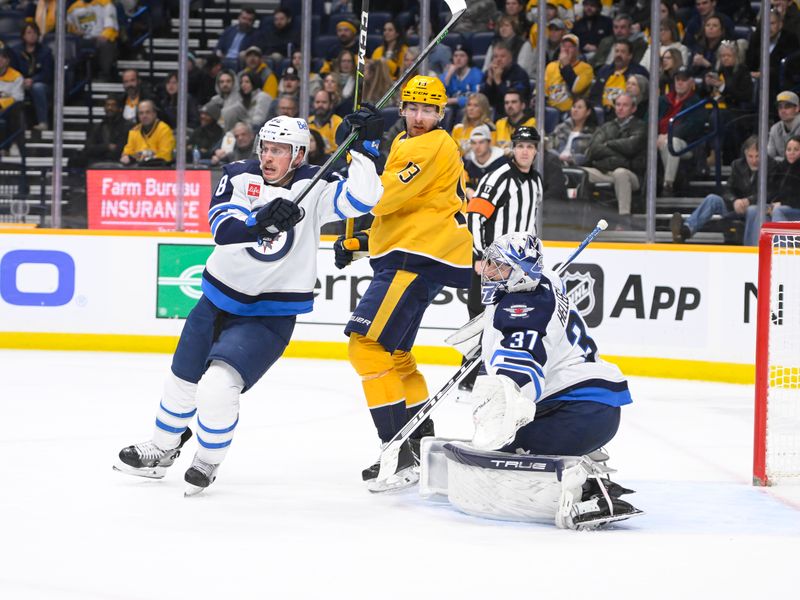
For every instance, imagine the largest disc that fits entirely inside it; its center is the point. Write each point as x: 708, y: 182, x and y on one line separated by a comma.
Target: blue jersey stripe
x: 185, y: 415
x: 339, y: 187
x: 209, y: 430
x: 212, y: 446
x: 165, y: 427
x: 595, y: 394
x: 357, y: 204
x: 261, y: 308
x: 519, y: 355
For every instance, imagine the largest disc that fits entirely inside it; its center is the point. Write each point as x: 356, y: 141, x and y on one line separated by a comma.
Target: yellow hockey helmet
x: 425, y: 90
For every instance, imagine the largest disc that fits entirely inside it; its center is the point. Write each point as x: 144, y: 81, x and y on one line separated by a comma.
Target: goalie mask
x: 285, y: 130
x: 513, y: 263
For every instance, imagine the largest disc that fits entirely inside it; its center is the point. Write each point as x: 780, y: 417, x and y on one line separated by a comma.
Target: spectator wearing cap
x: 393, y: 48
x: 208, y: 135
x: 703, y: 10
x: 685, y: 130
x: 622, y: 30
x: 476, y: 112
x: 461, y: 78
x: 324, y: 121
x: 592, y: 27
x: 517, y: 115
x: 280, y: 38
x: 34, y: 61
x: 617, y: 154
x: 610, y: 80
x: 289, y: 87
x: 568, y: 77
x: 507, y: 32
x: 788, y: 126
x: 782, y: 44
x: 504, y: 75
x: 347, y: 39
x: 483, y: 157
x: 253, y: 61
x: 528, y: 55
x: 238, y: 37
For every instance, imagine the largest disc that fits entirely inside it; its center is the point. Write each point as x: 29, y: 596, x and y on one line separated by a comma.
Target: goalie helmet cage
x: 776, y: 447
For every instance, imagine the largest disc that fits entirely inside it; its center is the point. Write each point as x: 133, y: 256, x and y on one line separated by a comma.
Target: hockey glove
x: 344, y: 249
x: 368, y: 121
x: 278, y: 215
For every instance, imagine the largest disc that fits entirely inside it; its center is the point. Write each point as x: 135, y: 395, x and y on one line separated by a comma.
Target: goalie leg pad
x: 500, y: 411
x: 510, y: 487
x: 217, y: 410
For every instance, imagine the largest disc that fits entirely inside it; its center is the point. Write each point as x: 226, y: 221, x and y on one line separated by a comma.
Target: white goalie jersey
x: 244, y: 277
x: 540, y: 341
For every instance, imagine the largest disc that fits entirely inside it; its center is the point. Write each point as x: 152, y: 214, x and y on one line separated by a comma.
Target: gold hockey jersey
x: 420, y: 224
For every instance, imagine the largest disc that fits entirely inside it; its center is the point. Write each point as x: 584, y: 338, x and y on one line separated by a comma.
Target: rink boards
x: 661, y: 310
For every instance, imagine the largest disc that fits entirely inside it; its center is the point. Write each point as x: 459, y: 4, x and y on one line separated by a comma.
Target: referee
x: 506, y: 200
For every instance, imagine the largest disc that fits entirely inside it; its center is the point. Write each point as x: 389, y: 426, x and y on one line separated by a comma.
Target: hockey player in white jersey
x: 260, y: 276
x: 544, y: 404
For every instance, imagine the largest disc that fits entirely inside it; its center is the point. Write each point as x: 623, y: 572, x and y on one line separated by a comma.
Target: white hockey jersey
x: 277, y: 278
x: 539, y: 340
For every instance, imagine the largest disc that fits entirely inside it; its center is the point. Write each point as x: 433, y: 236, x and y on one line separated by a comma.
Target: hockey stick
x: 457, y: 9
x: 361, y: 66
x: 391, y: 451
x: 601, y: 225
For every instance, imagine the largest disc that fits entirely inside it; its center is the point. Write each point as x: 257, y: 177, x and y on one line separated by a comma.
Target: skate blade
x: 146, y: 472
x: 399, y: 481
x: 601, y: 522
x: 192, y: 490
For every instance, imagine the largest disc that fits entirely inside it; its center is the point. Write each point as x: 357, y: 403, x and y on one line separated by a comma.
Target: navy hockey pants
x: 572, y: 428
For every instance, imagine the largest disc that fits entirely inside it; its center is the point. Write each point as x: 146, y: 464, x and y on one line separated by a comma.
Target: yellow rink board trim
x: 630, y: 365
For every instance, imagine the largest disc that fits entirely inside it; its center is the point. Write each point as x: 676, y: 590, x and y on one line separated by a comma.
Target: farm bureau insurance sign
x: 146, y: 200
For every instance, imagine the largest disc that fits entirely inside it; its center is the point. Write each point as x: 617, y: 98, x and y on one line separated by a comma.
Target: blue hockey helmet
x: 512, y: 263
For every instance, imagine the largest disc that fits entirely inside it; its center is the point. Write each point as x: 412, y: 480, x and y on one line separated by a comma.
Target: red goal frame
x: 760, y: 476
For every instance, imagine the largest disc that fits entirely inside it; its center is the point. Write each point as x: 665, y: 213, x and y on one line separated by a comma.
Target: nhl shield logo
x: 584, y: 283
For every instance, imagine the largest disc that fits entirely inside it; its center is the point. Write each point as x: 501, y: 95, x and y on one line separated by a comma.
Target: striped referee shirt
x: 505, y: 201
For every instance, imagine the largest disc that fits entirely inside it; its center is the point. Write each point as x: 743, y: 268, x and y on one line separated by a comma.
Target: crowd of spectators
x: 595, y: 83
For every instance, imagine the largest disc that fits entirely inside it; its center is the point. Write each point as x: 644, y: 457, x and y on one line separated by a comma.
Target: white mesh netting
x: 783, y: 393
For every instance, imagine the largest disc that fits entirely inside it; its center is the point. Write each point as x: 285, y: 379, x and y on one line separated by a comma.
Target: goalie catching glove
x: 499, y: 411
x: 278, y: 215
x: 345, y: 248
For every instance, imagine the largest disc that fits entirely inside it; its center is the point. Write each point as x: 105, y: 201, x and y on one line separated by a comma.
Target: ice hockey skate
x: 199, y: 476
x: 406, y: 474
x: 147, y: 459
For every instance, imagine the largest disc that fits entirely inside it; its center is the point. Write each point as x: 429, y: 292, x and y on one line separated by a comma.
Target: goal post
x: 776, y: 447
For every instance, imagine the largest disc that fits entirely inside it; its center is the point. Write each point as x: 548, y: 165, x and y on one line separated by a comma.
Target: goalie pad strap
x: 503, y: 461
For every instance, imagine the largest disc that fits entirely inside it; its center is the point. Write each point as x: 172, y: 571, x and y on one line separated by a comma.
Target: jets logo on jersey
x: 272, y: 249
x: 253, y: 190
x: 518, y: 311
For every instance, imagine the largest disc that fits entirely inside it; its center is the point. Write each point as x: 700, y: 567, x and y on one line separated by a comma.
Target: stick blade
x: 389, y: 457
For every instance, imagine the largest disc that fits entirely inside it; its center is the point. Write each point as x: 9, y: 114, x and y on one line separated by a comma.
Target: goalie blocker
x: 574, y: 492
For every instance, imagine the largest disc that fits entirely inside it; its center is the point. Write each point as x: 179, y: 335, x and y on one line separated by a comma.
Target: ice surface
x: 289, y: 517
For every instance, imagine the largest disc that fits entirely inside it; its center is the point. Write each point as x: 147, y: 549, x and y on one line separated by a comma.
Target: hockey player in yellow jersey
x: 418, y: 244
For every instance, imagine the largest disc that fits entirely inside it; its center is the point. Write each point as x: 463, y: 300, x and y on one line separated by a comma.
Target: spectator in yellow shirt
x: 517, y: 115
x: 95, y: 21
x: 150, y: 140
x: 324, y: 121
x: 567, y: 78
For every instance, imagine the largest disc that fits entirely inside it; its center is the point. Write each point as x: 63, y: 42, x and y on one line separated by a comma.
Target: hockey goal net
x: 776, y: 450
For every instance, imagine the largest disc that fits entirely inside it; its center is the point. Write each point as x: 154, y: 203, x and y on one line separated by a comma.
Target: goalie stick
x: 390, y: 452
